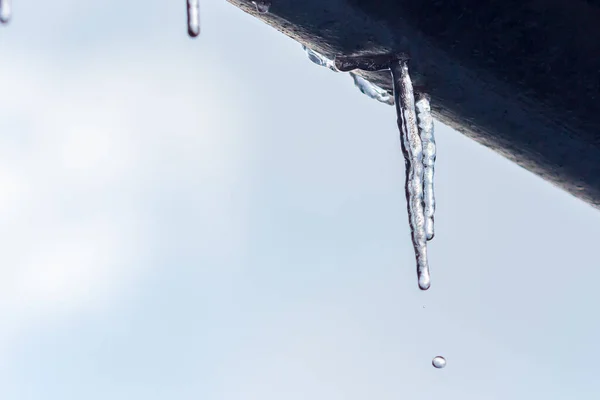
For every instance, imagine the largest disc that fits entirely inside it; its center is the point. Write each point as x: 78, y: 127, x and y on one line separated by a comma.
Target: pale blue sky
x: 220, y: 219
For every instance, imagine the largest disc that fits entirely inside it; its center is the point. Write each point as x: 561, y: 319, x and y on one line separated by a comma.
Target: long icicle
x: 413, y: 156
x: 425, y: 122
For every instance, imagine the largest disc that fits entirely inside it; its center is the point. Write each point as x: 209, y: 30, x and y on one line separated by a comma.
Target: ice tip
x: 429, y: 230
x: 424, y: 283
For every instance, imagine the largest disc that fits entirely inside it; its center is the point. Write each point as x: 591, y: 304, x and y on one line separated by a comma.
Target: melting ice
x: 417, y: 141
x: 372, y: 90
x: 193, y: 13
x: 320, y: 59
x: 425, y: 122
x: 262, y: 6
x: 5, y: 10
x: 412, y: 147
x: 366, y: 87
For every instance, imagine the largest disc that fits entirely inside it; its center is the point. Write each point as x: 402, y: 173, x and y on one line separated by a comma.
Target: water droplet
x: 5, y: 11
x: 439, y: 362
x: 193, y: 12
x: 262, y: 6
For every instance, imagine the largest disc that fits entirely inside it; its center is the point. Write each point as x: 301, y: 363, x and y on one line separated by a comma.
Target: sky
x: 221, y: 219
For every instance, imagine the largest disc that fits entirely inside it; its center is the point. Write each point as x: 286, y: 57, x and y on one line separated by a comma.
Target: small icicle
x: 5, y: 11
x: 319, y: 59
x: 413, y: 156
x: 193, y: 14
x: 429, y: 154
x: 372, y: 90
x: 262, y: 6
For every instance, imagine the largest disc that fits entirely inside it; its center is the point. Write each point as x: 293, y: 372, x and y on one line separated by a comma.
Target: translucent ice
x: 412, y: 147
x: 372, y: 90
x: 425, y: 122
x: 320, y: 59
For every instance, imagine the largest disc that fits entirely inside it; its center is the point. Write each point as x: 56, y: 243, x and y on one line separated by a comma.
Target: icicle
x: 413, y: 155
x: 5, y: 11
x: 319, y: 59
x: 429, y: 154
x: 193, y: 13
x: 372, y: 90
x: 262, y: 6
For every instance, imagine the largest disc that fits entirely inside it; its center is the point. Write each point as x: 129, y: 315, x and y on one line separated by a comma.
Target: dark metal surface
x: 521, y: 77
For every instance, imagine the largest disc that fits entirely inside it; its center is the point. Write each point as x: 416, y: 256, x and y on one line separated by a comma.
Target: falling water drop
x: 439, y: 362
x: 262, y: 6
x: 193, y: 13
x: 412, y: 147
x: 5, y: 11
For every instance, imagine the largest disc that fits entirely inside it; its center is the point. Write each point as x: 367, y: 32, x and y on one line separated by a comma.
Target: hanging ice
x: 417, y: 140
x: 5, y: 11
x: 319, y: 59
x: 193, y: 14
x: 262, y: 6
x: 412, y: 148
x: 372, y: 90
x: 425, y: 122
